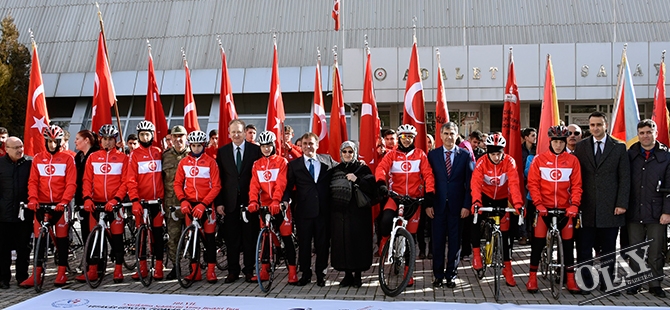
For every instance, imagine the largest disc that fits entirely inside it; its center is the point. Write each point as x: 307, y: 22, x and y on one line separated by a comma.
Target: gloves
x: 89, y: 206
x: 199, y: 210
x: 475, y: 205
x: 383, y: 189
x: 253, y: 207
x: 572, y: 211
x: 61, y: 206
x: 32, y: 205
x: 185, y: 207
x: 109, y: 207
x: 275, y: 209
x: 137, y: 210
x: 518, y: 208
x: 428, y: 200
x: 541, y: 210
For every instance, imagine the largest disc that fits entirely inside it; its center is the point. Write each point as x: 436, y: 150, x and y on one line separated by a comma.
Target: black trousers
x: 15, y: 236
x: 446, y: 228
x: 316, y: 229
x: 240, y: 235
x: 590, y: 237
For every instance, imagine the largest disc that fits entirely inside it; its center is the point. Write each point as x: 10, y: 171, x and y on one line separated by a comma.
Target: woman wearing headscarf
x: 351, y: 225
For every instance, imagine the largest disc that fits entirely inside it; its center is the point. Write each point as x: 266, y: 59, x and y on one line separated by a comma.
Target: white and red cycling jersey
x: 53, y: 178
x: 197, y: 179
x: 104, y: 176
x: 268, y: 180
x: 496, y: 181
x: 407, y: 173
x: 555, y: 180
x: 144, y: 176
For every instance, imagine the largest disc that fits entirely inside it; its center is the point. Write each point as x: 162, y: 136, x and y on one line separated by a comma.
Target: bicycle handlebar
x: 661, y: 190
x: 491, y: 209
x: 395, y: 195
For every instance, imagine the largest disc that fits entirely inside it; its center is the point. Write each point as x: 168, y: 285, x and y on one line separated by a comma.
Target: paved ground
x: 468, y: 290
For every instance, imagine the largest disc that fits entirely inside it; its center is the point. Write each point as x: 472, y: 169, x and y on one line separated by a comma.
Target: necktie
x: 646, y: 154
x: 448, y: 163
x: 599, y: 152
x: 311, y: 167
x: 238, y: 160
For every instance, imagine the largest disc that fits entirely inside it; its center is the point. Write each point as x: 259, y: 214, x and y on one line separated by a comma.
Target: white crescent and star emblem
x: 267, y: 175
x: 556, y: 174
x: 194, y: 171
x: 105, y: 168
x: 406, y: 166
x: 49, y: 169
x: 152, y: 166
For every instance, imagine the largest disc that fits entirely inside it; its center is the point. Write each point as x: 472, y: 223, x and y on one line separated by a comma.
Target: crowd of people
x: 614, y: 189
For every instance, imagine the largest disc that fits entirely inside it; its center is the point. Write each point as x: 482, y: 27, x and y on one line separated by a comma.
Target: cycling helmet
x: 495, y: 140
x: 266, y: 137
x: 53, y: 132
x: 146, y: 126
x: 197, y: 137
x: 406, y: 129
x: 108, y: 131
x: 558, y: 132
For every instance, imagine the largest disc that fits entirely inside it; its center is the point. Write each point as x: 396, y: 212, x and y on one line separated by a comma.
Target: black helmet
x: 558, y: 132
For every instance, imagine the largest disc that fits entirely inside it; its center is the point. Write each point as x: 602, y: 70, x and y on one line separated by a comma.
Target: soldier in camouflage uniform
x: 171, y: 158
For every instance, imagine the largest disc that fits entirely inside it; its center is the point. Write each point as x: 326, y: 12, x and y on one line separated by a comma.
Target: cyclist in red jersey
x: 407, y: 171
x: 268, y: 182
x: 555, y: 180
x: 196, y: 184
x: 103, y: 183
x: 145, y: 182
x: 53, y: 181
x: 495, y: 182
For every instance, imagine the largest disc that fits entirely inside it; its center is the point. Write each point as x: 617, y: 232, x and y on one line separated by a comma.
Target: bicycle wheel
x: 544, y: 262
x: 40, y: 257
x: 497, y: 262
x: 393, y: 278
x: 76, y: 250
x: 486, y: 253
x: 222, y: 256
x: 264, y: 246
x: 187, y: 256
x: 144, y: 248
x: 556, y: 266
x: 96, y: 255
x: 129, y: 240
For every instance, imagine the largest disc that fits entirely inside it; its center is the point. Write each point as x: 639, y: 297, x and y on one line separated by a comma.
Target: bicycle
x: 129, y: 238
x: 144, y: 243
x: 269, y: 247
x: 40, y: 248
x: 189, y: 250
x: 97, y: 247
x: 400, y: 250
x: 221, y: 249
x: 552, y: 265
x: 493, y: 250
x: 76, y: 242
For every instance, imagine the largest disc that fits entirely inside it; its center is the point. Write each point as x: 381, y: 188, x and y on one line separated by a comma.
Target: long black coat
x: 646, y: 205
x: 13, y: 187
x: 351, y: 226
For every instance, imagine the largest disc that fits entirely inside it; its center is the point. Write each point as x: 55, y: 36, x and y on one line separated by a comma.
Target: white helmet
x: 197, y: 137
x: 406, y: 129
x: 146, y: 126
x: 266, y: 137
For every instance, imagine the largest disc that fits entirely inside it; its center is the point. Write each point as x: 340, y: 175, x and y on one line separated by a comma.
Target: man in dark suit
x: 235, y: 160
x: 310, y: 175
x: 452, y: 167
x: 606, y: 184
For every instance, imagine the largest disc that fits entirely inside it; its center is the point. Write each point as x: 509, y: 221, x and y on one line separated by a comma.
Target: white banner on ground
x: 67, y: 299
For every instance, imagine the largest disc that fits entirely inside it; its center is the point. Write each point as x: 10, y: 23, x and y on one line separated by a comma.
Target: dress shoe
x: 603, y: 289
x: 422, y: 255
x: 451, y: 283
x: 4, y: 285
x: 523, y: 241
x: 172, y: 274
x: 657, y: 291
x: 632, y: 290
x: 249, y: 278
x: 438, y: 283
x: 231, y: 278
x: 357, y: 282
x: 304, y: 281
x: 320, y: 282
x: 429, y: 256
x: 347, y: 281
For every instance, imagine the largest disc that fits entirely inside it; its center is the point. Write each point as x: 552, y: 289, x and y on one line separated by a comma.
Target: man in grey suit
x: 310, y: 175
x: 606, y: 184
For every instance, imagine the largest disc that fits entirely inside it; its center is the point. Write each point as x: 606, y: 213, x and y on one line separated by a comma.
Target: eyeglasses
x: 347, y: 152
x: 406, y: 136
x: 574, y: 133
x: 15, y: 147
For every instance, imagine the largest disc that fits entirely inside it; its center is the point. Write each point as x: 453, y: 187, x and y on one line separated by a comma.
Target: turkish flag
x: 153, y: 109
x: 660, y: 114
x: 319, y: 125
x: 549, y: 113
x: 441, y: 110
x: 336, y: 14
x: 276, y: 116
x: 37, y: 116
x: 104, y: 95
x: 414, y: 112
x: 370, y: 124
x: 190, y: 112
x: 227, y: 111
x: 338, y: 119
x: 511, y: 120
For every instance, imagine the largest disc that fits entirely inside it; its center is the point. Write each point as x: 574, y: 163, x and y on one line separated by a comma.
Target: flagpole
x: 104, y: 43
x: 618, y: 84
x: 318, y: 65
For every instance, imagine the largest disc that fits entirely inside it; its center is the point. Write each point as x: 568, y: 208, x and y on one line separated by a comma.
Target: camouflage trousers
x: 174, y: 229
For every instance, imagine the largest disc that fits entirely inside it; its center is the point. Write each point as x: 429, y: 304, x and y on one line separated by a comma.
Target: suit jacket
x: 606, y: 185
x: 234, y: 185
x: 452, y: 191
x: 312, y: 199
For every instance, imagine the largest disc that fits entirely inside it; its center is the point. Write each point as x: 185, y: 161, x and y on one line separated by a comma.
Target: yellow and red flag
x: 549, y: 115
x: 625, y: 115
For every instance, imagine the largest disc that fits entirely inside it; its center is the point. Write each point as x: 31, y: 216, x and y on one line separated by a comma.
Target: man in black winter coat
x: 14, y: 233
